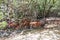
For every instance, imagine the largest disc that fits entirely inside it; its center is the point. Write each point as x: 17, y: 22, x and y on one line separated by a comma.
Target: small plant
x: 1, y: 16
x: 3, y: 25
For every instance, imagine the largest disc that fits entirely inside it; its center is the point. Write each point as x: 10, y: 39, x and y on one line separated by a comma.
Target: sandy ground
x: 36, y: 34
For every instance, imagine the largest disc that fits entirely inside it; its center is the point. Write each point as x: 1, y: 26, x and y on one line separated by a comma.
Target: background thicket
x: 35, y: 9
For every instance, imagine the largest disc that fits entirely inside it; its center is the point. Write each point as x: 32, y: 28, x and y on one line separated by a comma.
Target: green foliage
x: 3, y: 25
x: 1, y: 15
x: 46, y: 6
x: 15, y: 3
x: 1, y: 1
x: 31, y: 7
x: 43, y: 7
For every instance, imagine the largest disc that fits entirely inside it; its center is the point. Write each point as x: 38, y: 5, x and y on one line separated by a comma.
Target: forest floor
x: 35, y: 34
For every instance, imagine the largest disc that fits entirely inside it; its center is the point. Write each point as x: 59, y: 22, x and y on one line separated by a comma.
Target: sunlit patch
x: 37, y: 35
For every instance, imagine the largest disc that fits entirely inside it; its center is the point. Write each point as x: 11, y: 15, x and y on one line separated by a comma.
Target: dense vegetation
x: 36, y: 9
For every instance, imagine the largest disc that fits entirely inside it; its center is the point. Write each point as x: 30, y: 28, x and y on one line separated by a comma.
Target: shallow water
x: 35, y: 34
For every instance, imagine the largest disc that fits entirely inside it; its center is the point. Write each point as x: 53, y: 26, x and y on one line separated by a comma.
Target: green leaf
x: 3, y: 24
x: 1, y: 15
x: 1, y: 1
